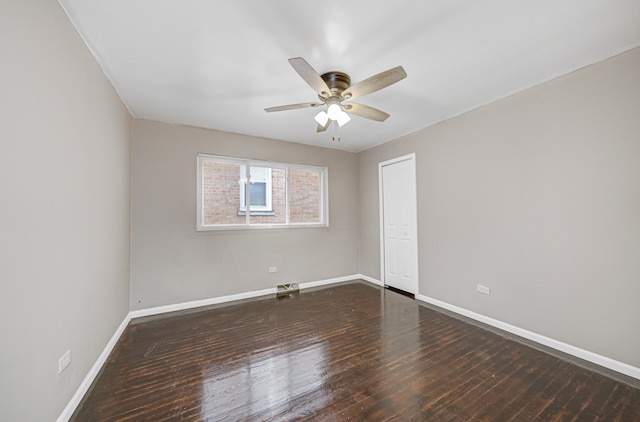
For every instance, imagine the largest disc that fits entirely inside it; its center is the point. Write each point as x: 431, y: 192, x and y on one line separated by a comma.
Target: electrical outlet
x: 64, y: 361
x: 484, y: 289
x: 273, y: 269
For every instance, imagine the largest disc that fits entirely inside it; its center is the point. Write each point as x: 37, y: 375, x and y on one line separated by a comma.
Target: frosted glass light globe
x: 334, y: 111
x: 322, y: 118
x: 343, y: 118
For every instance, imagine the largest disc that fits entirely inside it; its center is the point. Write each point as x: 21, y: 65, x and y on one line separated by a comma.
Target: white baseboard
x: 198, y: 303
x: 310, y: 284
x: 371, y: 280
x: 93, y: 372
x: 230, y: 298
x: 603, y: 361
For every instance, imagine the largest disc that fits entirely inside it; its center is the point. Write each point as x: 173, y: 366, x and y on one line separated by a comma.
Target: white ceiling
x: 218, y: 64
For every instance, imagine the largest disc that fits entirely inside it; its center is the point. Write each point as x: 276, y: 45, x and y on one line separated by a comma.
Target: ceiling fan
x: 335, y: 87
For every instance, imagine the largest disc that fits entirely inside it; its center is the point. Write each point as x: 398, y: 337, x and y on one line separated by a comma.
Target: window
x: 278, y: 194
x: 260, y: 189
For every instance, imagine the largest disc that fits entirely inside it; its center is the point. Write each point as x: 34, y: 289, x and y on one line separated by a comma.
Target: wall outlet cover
x: 64, y: 361
x: 483, y: 289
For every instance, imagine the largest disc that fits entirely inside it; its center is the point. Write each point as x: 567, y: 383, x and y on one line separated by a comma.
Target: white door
x: 399, y: 223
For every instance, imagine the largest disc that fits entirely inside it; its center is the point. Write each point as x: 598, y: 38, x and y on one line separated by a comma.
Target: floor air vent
x: 286, y: 290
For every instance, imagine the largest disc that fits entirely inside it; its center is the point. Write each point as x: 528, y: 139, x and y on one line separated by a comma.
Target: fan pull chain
x: 333, y: 131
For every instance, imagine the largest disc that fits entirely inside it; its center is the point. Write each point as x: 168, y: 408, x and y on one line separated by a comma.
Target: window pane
x: 221, y: 196
x: 279, y: 194
x: 277, y: 212
x: 258, y: 193
x: 259, y: 189
x: 304, y: 193
x: 259, y: 174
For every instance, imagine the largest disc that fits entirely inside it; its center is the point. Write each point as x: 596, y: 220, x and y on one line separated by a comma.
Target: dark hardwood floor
x: 349, y: 352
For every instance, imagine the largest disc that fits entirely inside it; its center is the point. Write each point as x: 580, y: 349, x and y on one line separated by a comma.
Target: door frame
x: 409, y: 157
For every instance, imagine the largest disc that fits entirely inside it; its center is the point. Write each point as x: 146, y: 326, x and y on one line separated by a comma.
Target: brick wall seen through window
x: 222, y: 183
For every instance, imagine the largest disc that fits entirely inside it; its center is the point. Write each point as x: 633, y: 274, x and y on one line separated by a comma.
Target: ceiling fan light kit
x: 343, y: 118
x: 322, y: 118
x: 335, y: 87
x: 334, y: 111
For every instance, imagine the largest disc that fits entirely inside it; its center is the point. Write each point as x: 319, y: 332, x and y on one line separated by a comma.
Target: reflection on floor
x: 347, y: 352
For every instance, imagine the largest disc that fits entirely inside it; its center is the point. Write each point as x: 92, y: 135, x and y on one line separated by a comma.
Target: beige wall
x: 173, y: 263
x: 538, y: 197
x: 64, y: 211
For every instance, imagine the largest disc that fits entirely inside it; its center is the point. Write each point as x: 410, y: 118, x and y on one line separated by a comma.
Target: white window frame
x: 247, y: 225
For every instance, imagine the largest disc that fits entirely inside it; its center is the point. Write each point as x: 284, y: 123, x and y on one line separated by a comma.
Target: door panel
x: 399, y: 225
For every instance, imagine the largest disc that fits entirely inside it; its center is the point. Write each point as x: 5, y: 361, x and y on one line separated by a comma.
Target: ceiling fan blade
x: 365, y: 111
x: 310, y: 76
x: 292, y: 107
x: 322, y: 128
x: 374, y: 83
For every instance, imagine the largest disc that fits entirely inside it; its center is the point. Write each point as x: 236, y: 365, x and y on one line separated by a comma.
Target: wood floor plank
x: 347, y: 352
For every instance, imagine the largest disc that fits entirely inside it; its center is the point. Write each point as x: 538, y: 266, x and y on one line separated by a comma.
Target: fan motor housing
x: 336, y: 81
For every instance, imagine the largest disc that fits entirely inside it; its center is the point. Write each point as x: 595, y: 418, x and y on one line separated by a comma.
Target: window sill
x: 224, y: 227
x: 266, y: 212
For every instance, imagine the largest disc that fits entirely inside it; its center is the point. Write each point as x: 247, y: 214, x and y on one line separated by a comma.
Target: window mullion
x: 286, y: 194
x: 321, y: 194
x: 247, y: 194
